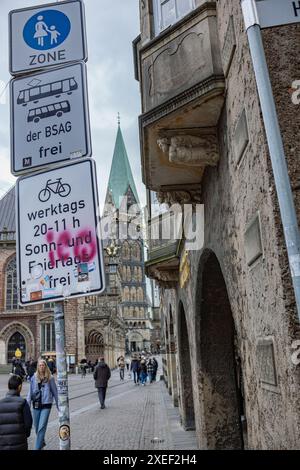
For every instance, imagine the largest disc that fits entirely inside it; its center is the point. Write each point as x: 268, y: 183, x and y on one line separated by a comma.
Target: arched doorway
x: 172, y: 352
x: 187, y: 399
x: 220, y: 394
x: 94, y: 346
x: 16, y: 341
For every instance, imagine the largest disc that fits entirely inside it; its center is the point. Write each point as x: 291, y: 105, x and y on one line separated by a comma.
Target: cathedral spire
x: 120, y: 178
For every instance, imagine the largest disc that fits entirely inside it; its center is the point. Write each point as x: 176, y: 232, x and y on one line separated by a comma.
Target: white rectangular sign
x: 46, y: 36
x: 278, y: 12
x: 59, y: 250
x: 49, y: 118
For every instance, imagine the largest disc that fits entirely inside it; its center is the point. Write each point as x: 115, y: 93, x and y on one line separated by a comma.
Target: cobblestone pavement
x: 135, y: 417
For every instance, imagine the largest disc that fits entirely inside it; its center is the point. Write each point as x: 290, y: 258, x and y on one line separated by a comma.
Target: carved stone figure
x: 191, y: 150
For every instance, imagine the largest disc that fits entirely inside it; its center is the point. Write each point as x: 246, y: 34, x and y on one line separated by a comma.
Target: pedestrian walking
x: 52, y: 365
x: 15, y: 417
x: 83, y: 367
x: 150, y: 369
x: 18, y: 369
x: 121, y: 364
x: 127, y: 364
x: 41, y: 393
x: 135, y: 369
x: 101, y: 376
x: 143, y: 372
x: 155, y: 369
x: 31, y: 368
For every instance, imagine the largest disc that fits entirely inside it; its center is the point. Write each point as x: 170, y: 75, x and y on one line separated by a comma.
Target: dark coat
x: 101, y: 375
x: 15, y: 422
x: 135, y: 365
x: 18, y: 369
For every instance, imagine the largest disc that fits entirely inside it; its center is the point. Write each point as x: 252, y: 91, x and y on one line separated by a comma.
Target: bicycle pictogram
x: 55, y: 187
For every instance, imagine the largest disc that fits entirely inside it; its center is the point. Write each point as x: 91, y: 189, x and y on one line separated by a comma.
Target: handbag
x: 36, y: 398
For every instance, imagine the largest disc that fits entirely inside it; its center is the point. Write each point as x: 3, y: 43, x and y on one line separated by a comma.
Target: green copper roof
x: 120, y: 177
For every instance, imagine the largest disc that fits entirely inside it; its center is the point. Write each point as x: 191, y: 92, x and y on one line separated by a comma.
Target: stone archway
x: 136, y: 341
x: 216, y: 357
x: 94, y: 346
x: 8, y: 332
x: 172, y: 354
x: 187, y: 399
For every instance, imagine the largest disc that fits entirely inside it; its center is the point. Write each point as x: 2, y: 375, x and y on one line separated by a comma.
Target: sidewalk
x: 135, y: 418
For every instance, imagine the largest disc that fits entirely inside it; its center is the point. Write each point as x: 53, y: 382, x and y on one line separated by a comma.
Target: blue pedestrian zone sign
x: 47, y: 36
x: 46, y: 30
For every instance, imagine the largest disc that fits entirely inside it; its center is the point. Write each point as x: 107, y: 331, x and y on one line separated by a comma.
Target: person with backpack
x: 15, y: 417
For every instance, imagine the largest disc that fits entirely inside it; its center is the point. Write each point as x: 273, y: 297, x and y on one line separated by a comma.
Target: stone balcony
x: 163, y: 253
x: 182, y: 85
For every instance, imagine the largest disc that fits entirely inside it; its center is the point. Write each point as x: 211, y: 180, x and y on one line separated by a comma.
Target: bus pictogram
x: 39, y: 92
x: 56, y: 109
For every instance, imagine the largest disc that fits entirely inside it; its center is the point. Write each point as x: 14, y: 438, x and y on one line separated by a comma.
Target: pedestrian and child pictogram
x: 47, y: 36
x: 46, y: 31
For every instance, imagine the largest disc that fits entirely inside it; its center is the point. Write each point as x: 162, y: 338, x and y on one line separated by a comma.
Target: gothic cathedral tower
x: 121, y: 195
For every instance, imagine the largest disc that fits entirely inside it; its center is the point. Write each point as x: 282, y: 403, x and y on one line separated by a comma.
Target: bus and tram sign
x: 47, y: 36
x: 49, y: 118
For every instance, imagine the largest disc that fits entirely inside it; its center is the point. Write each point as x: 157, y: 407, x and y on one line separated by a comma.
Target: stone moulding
x: 213, y: 86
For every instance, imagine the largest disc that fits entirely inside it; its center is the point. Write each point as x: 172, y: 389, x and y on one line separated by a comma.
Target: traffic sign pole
x: 275, y: 144
x: 44, y: 37
x: 62, y: 377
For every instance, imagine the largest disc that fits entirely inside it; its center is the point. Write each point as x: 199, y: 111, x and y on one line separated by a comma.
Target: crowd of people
x: 17, y: 414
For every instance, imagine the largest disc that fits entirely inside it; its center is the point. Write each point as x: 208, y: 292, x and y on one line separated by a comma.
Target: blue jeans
x: 135, y: 376
x: 143, y: 377
x: 40, y: 419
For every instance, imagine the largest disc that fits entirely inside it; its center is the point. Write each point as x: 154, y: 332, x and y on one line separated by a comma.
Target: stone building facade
x: 228, y: 308
x: 120, y: 198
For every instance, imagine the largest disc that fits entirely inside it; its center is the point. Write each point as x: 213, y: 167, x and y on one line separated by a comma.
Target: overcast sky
x: 111, y: 27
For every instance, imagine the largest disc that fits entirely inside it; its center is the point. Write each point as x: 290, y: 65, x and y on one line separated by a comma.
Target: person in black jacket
x: 15, y: 417
x: 101, y: 376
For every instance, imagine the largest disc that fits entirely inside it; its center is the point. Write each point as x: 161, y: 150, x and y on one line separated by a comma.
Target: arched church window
x: 126, y: 295
x: 140, y: 295
x: 128, y: 274
x: 133, y: 294
x: 11, y: 302
x: 125, y: 251
x: 136, y: 252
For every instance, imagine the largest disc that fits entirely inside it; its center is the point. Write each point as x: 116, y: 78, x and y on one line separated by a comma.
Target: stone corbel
x: 167, y: 279
x: 191, y: 150
x: 170, y: 197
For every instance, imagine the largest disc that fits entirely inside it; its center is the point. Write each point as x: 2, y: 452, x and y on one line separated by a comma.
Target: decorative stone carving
x: 192, y: 196
x: 178, y: 56
x: 191, y: 150
x: 165, y: 278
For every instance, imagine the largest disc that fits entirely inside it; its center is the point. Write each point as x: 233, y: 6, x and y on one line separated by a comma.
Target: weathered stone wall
x: 259, y: 290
